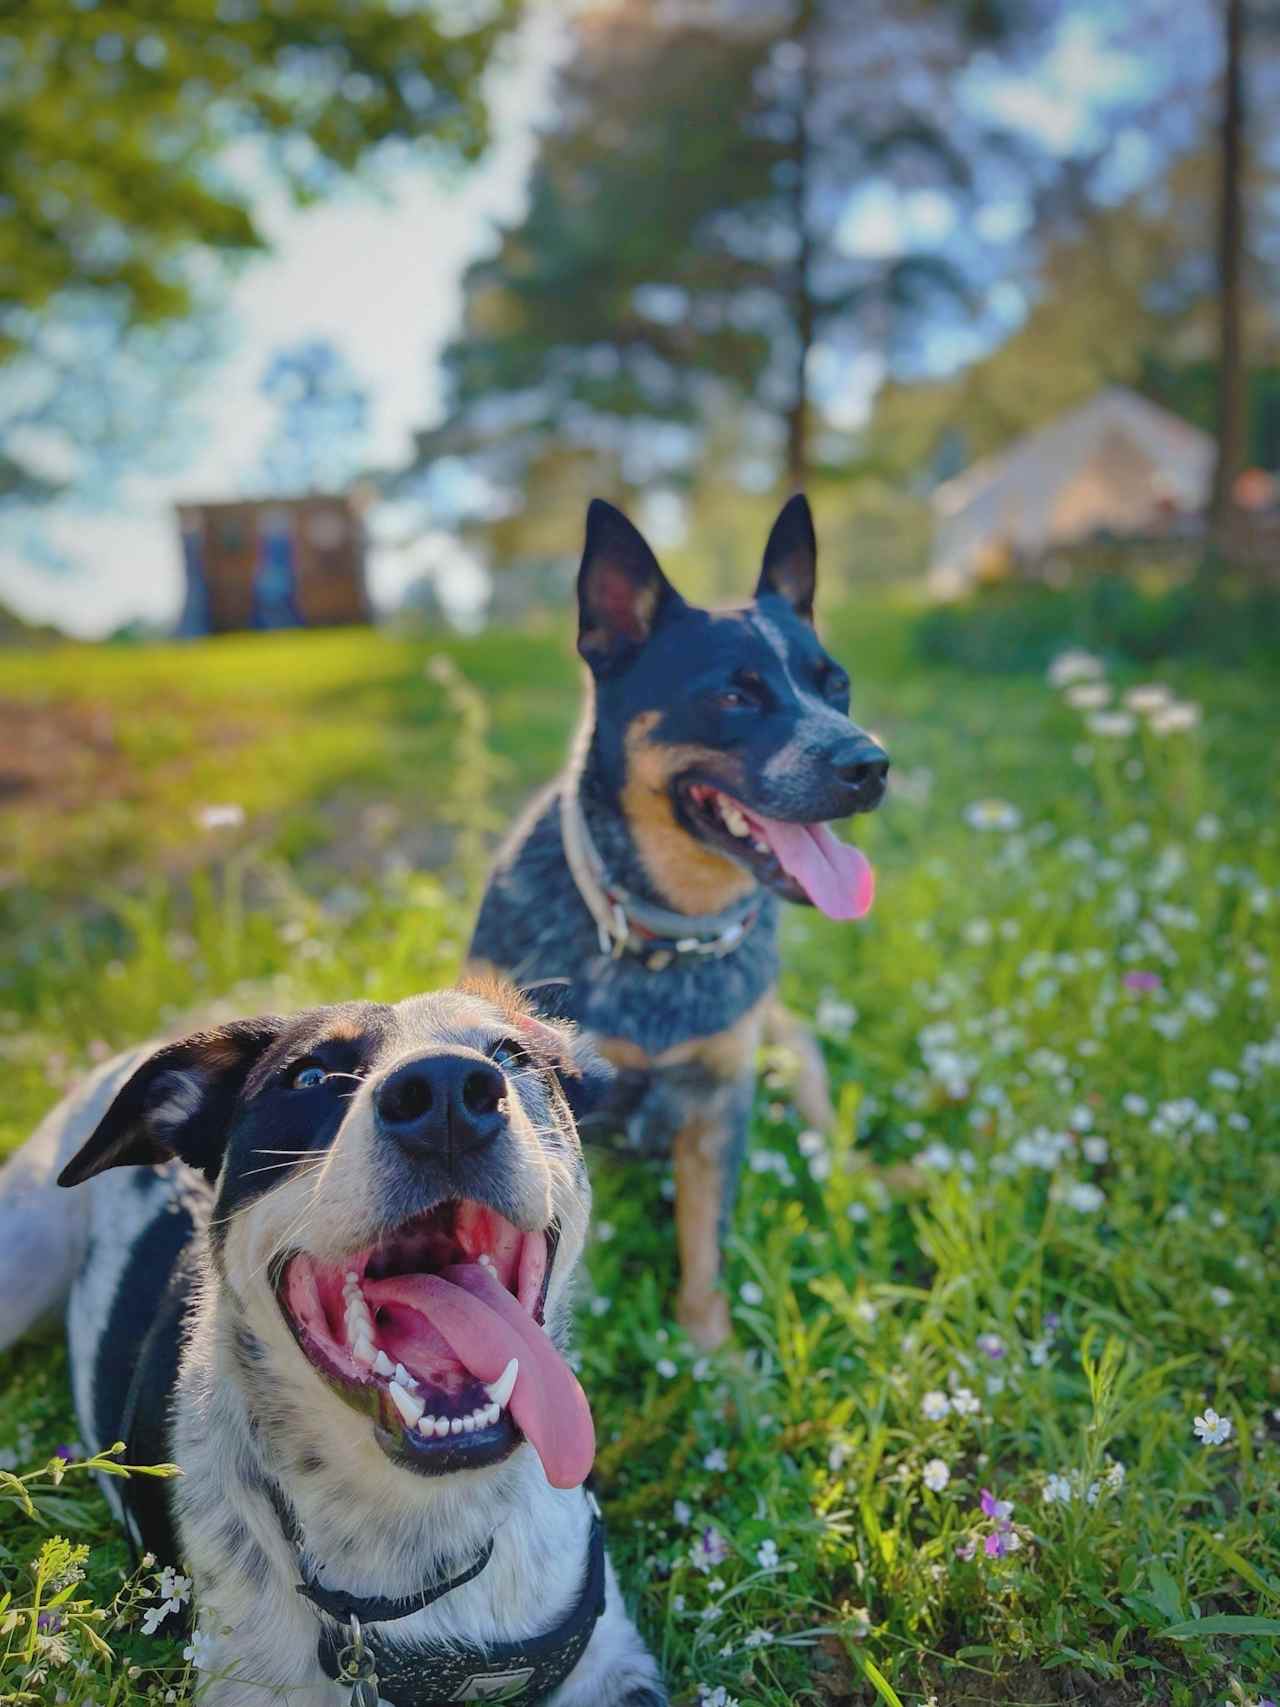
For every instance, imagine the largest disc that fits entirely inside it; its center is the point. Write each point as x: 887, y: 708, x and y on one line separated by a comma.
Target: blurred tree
x: 739, y: 204
x: 1232, y: 397
x: 322, y: 427
x: 135, y: 140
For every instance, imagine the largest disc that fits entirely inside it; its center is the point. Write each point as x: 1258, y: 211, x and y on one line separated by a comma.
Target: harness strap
x: 628, y: 925
x: 369, y: 1609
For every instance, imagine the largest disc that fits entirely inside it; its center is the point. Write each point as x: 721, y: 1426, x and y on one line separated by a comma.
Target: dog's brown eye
x: 305, y: 1075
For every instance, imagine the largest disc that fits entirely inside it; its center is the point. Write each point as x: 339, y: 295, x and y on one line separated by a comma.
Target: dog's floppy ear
x: 622, y: 593
x: 791, y: 558
x: 178, y: 1103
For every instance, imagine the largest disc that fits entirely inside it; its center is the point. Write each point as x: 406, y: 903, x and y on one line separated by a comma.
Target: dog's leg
x: 617, y: 1669
x: 701, y: 1307
x: 43, y: 1229
x: 810, y: 1088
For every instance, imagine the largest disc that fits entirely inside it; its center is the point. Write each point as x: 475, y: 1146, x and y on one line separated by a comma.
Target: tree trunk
x: 801, y: 294
x: 1231, y: 422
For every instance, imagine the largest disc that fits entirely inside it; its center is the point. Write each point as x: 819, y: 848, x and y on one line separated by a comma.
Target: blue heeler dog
x: 640, y: 892
x: 325, y: 1264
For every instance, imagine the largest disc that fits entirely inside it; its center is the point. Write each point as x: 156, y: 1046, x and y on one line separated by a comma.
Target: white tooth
x: 456, y: 1425
x: 758, y: 845
x: 427, y: 1426
x: 405, y: 1379
x: 351, y: 1277
x: 491, y: 1415
x: 442, y: 1427
x: 468, y: 1425
x: 383, y: 1364
x: 362, y: 1350
x: 500, y: 1390
x: 734, y: 822
x: 409, y: 1407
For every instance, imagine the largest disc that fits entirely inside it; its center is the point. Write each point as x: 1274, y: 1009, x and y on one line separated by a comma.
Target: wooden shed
x: 272, y: 563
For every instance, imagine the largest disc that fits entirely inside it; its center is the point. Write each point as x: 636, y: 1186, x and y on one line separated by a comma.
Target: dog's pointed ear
x: 790, y: 568
x: 622, y: 593
x: 179, y: 1102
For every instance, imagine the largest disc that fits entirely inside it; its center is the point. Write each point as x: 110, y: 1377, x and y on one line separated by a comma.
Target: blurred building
x: 273, y: 563
x: 1117, y: 467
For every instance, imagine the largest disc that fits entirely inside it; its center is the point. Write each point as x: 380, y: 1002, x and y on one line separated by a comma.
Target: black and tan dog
x: 641, y: 888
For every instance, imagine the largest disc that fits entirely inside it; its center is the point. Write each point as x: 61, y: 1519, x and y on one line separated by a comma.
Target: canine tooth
x: 442, y: 1427
x: 427, y: 1426
x: 406, y: 1380
x: 409, y: 1408
x: 383, y: 1364
x: 734, y: 821
x: 499, y: 1391
x: 456, y: 1425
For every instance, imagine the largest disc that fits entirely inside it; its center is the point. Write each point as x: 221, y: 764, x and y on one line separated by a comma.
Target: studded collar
x: 654, y: 935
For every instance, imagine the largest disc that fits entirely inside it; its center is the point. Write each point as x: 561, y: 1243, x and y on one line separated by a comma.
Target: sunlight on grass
x: 956, y: 1452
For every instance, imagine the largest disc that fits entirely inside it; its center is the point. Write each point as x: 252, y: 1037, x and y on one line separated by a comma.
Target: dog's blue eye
x: 508, y: 1052
x: 307, y: 1076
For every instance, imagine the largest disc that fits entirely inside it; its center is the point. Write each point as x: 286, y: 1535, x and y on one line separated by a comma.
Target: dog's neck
x: 367, y: 1526
x: 641, y: 842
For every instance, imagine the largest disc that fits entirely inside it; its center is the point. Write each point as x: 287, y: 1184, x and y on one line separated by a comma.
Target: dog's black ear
x: 179, y: 1102
x: 622, y: 593
x: 791, y: 558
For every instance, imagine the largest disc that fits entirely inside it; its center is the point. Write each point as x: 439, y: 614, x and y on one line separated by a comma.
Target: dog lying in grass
x: 331, y: 1281
x: 640, y: 891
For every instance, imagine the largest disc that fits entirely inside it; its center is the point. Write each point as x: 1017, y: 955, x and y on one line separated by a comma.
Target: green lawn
x: 1066, y: 1021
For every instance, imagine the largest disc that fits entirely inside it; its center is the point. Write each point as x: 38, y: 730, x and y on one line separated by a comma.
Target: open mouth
x: 437, y: 1333
x: 802, y: 862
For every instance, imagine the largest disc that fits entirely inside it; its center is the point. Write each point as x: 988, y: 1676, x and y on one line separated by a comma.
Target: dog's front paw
x: 705, y: 1318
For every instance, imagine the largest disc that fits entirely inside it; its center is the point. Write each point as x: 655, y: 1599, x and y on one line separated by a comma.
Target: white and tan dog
x: 334, y: 1287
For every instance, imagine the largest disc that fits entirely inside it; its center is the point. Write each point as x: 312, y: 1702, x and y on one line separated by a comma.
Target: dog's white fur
x: 370, y: 1527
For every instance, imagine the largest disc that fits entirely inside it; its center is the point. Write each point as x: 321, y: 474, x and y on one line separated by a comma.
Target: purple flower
x: 49, y: 1622
x: 1001, y: 1510
x: 996, y: 1546
x: 65, y: 1452
x: 966, y: 1549
x: 709, y: 1550
x: 1141, y: 983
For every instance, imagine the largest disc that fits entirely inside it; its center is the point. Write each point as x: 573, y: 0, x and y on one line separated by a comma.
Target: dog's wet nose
x: 446, y: 1101
x: 865, y: 767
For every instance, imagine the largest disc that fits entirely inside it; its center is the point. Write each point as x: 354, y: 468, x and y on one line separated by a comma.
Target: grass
x: 1038, y: 1245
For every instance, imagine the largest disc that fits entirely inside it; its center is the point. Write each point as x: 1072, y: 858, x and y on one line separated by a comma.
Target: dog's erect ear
x: 178, y: 1103
x: 622, y: 593
x: 582, y: 1071
x: 791, y: 558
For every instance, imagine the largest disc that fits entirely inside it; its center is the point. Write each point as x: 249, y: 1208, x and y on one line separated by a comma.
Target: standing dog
x: 332, y: 1282
x: 715, y: 746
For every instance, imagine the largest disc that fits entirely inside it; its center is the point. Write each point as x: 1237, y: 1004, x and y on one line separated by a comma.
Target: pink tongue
x: 836, y: 877
x: 485, y: 1327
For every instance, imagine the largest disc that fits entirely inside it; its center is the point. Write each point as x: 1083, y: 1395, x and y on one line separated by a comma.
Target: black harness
x: 440, y: 1674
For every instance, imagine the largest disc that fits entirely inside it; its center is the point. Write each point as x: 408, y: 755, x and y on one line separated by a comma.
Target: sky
x: 380, y: 277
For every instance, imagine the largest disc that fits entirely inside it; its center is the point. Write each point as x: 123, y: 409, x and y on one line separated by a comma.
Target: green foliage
x: 649, y: 321
x: 1013, y: 627
x: 1050, y: 1195
x: 136, y: 144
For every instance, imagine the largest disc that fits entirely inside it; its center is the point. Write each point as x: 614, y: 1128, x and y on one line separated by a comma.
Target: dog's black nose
x: 865, y: 767
x: 450, y: 1100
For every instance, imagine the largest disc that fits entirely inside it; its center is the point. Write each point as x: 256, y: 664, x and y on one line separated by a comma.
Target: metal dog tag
x: 356, y: 1669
